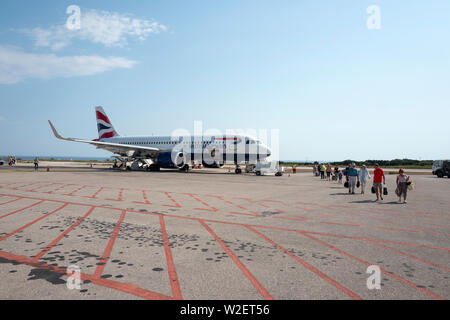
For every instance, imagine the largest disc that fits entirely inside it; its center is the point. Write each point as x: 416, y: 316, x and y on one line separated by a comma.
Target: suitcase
x: 385, y: 191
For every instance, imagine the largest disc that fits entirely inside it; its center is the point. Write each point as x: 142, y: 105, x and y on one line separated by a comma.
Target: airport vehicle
x: 262, y: 168
x: 175, y: 152
x: 441, y: 168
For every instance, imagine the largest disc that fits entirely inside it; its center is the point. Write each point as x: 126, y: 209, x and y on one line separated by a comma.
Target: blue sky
x: 312, y: 69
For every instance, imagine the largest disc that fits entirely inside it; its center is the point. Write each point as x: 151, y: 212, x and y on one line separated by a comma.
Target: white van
x: 262, y: 168
x: 441, y: 168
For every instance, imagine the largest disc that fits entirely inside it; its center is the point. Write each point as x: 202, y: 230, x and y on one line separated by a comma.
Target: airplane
x: 174, y: 152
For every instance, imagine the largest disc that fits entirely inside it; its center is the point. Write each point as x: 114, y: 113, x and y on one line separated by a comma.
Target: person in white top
x: 402, y: 185
x: 364, y: 175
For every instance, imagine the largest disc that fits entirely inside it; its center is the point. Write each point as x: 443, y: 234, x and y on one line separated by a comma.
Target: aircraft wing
x: 132, y: 151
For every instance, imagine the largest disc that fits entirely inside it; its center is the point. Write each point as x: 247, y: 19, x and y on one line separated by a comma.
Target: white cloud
x: 107, y: 28
x: 16, y: 65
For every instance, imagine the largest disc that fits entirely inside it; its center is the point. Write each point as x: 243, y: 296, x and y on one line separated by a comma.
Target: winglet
x: 57, y: 135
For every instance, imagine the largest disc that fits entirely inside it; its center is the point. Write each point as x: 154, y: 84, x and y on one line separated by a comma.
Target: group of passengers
x: 355, y: 178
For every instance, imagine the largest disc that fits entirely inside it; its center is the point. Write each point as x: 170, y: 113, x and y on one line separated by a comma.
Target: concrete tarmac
x: 211, y: 234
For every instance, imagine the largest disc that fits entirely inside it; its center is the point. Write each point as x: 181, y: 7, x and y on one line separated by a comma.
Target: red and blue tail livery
x: 104, y: 126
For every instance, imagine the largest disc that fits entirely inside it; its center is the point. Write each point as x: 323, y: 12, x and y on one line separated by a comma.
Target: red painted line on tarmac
x: 59, y: 188
x: 430, y: 231
x: 286, y: 218
x: 174, y: 283
x: 408, y: 255
x: 277, y: 201
x: 238, y: 224
x: 437, y: 225
x: 33, y: 222
x: 258, y: 286
x: 25, y: 185
x: 326, y: 215
x: 43, y: 186
x: 304, y: 209
x: 341, y: 224
x: 9, y: 201
x: 211, y: 208
x: 404, y: 281
x: 251, y: 213
x: 75, y: 191
x: 19, y: 210
x: 144, y: 195
x: 176, y: 204
x: 95, y: 194
x: 245, y: 214
x: 119, y: 286
x: 397, y: 229
x: 410, y: 244
x: 119, y: 198
x: 62, y: 235
x: 106, y: 254
x: 311, y: 268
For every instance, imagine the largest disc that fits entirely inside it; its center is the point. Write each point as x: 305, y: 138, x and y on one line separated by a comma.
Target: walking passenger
x: 328, y: 170
x: 352, y: 178
x: 364, y: 175
x: 378, y: 180
x: 402, y: 185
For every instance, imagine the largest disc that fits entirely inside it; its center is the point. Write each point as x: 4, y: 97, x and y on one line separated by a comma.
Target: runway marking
x: 75, y: 191
x: 404, y: 281
x: 10, y: 201
x: 123, y: 287
x: 144, y: 195
x: 94, y: 196
x: 397, y: 229
x: 33, y: 222
x: 59, y: 188
x: 176, y: 204
x: 43, y: 186
x: 287, y: 218
x: 258, y: 286
x: 251, y: 213
x: 106, y: 254
x: 238, y: 224
x: 211, y: 208
x: 25, y: 185
x: 19, y: 210
x: 119, y: 198
x: 341, y: 224
x: 62, y: 235
x: 174, y: 283
x: 311, y: 268
x: 407, y: 255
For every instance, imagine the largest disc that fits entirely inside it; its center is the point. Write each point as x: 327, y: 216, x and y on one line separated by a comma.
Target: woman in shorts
x: 402, y: 185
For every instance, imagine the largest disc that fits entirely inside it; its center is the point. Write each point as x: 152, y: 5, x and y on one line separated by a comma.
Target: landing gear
x: 185, y: 168
x: 154, y: 167
x: 238, y: 169
x: 249, y: 167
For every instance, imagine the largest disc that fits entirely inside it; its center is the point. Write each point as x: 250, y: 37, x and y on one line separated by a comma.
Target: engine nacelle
x: 169, y: 160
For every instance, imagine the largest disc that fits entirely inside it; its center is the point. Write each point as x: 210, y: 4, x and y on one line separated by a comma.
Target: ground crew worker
x: 36, y: 163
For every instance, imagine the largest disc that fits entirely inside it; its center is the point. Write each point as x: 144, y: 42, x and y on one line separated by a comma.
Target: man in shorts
x: 378, y: 181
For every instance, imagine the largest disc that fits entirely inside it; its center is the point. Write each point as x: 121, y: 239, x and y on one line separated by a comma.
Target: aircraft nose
x: 267, y: 151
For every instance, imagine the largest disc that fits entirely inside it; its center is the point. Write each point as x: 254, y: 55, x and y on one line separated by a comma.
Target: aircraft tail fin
x: 104, y: 126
